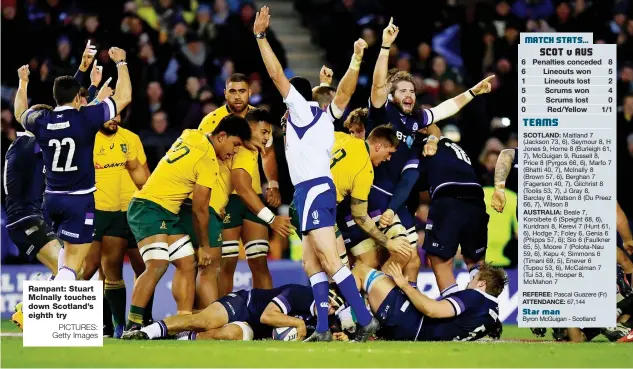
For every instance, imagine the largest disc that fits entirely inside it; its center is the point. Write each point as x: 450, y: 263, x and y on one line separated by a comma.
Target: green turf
x: 137, y: 354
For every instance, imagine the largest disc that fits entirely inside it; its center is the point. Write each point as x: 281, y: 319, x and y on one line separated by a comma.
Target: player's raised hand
x: 386, y: 218
x: 484, y: 86
x: 395, y: 271
x: 204, y: 256
x: 88, y: 56
x: 281, y: 225
x: 262, y: 20
x: 390, y: 33
x: 325, y: 75
x: 359, y: 47
x: 430, y: 148
x: 96, y: 74
x: 400, y: 246
x: 628, y: 246
x: 105, y: 91
x: 273, y: 197
x: 117, y: 54
x: 23, y: 73
x: 498, y: 201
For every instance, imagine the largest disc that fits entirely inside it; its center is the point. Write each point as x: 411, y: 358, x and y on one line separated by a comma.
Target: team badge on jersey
x: 315, y: 217
x: 124, y: 148
x: 415, y: 126
x: 163, y: 225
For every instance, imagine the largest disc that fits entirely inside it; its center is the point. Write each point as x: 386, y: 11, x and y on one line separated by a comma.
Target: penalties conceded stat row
x: 566, y: 161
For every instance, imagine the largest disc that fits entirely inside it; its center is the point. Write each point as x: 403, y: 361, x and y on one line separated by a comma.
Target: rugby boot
x: 363, y: 332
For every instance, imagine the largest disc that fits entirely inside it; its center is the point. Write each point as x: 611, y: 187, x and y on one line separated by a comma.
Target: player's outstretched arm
x: 86, y: 59
x: 622, y: 225
x: 425, y: 305
x: 242, y: 182
x: 502, y: 169
x: 271, y: 171
x: 273, y: 316
x: 21, y: 98
x: 200, y: 210
x: 450, y: 107
x: 123, y: 90
x: 137, y: 172
x: 405, y: 185
x: 364, y: 221
x: 348, y: 83
x: 274, y: 68
x: 379, y: 90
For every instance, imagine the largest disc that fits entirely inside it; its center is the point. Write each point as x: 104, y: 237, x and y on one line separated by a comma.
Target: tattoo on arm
x: 364, y: 221
x: 504, y: 165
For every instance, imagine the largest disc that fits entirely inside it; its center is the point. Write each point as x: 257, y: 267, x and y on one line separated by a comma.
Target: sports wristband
x: 273, y: 184
x: 266, y: 215
x: 121, y: 62
x: 385, y: 47
x: 324, y: 84
x: 261, y: 35
x: 433, y: 138
x: 472, y: 93
x: 355, y: 63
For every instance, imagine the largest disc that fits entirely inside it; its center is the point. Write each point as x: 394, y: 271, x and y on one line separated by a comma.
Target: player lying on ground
x: 190, y: 166
x: 406, y: 314
x: 247, y: 217
x: 243, y: 315
x: 309, y: 140
x: 457, y: 214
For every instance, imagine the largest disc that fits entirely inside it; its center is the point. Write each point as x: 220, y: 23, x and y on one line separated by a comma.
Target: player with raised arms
x: 406, y: 314
x: 66, y: 136
x: 309, y: 140
x: 400, y: 111
x: 242, y: 315
x: 190, y: 166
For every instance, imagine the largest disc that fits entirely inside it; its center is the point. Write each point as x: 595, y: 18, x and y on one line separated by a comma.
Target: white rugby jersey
x: 309, y: 138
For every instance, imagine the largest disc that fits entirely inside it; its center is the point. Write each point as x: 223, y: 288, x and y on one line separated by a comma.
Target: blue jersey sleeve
x: 376, y: 116
x: 100, y: 113
x: 465, y: 300
x: 294, y: 300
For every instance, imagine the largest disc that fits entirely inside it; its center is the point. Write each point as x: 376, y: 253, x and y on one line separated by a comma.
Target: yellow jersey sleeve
x: 206, y: 170
x: 135, y: 140
x: 221, y: 190
x: 362, y: 182
x: 211, y: 120
x: 249, y: 161
x: 186, y: 163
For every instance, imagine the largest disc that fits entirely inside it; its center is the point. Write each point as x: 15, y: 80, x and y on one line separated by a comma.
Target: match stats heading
x: 567, y: 181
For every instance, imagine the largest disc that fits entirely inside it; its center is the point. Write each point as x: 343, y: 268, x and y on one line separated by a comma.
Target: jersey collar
x: 489, y: 297
x: 367, y: 147
x: 64, y: 107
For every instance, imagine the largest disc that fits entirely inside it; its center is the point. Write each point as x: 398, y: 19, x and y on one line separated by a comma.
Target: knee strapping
x: 256, y: 249
x: 155, y: 251
x: 247, y: 331
x: 230, y: 249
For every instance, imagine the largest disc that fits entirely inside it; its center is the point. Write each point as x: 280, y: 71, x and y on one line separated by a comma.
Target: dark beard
x: 108, y: 131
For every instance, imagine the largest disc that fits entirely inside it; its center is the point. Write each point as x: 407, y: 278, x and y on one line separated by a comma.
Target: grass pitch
x: 518, y: 349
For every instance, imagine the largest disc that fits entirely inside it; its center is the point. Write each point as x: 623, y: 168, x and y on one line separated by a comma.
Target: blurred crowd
x: 180, y: 52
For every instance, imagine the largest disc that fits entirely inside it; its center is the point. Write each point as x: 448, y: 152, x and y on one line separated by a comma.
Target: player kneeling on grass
x: 405, y: 314
x: 243, y: 315
x: 190, y: 166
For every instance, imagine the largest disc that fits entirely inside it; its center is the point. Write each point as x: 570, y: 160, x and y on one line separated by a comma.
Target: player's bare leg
x: 412, y: 268
x: 342, y: 251
x: 49, y: 255
x: 443, y: 270
x: 320, y: 288
x: 112, y: 255
x: 207, y: 287
x: 74, y: 258
x: 255, y: 238
x: 92, y: 262
x: 379, y: 287
x: 229, y: 332
x: 138, y: 266
x: 156, y: 264
x: 214, y: 316
x: 184, y: 282
x: 323, y: 241
x: 231, y: 239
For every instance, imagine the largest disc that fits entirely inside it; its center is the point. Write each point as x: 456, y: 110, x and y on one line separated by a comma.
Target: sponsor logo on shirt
x: 70, y: 234
x: 57, y: 126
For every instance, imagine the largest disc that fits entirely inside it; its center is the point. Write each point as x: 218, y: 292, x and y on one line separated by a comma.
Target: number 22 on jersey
x: 68, y: 167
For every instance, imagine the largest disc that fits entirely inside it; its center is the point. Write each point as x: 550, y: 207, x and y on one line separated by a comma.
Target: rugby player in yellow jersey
x: 246, y: 215
x: 190, y: 166
x: 237, y: 92
x: 113, y: 154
